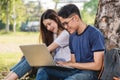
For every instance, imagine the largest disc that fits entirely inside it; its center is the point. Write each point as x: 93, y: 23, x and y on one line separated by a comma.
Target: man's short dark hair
x: 69, y: 9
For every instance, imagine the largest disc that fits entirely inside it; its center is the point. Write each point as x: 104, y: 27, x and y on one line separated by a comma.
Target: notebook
x: 38, y: 55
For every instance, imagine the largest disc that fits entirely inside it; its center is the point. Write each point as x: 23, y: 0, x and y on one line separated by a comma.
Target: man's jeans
x: 73, y: 74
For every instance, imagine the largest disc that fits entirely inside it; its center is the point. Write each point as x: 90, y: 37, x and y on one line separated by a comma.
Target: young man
x: 86, y: 45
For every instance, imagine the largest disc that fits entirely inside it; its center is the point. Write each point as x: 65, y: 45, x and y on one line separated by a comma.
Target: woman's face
x: 51, y: 25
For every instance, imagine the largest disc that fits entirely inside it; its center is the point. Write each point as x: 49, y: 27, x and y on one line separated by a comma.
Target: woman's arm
x: 52, y: 46
x: 61, y: 41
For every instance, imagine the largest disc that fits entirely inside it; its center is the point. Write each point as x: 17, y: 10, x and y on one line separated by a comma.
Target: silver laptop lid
x: 37, y: 55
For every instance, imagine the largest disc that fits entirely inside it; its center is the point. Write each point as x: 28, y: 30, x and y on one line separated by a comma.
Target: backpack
x: 111, y: 64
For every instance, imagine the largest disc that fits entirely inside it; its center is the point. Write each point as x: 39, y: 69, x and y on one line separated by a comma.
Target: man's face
x: 69, y: 24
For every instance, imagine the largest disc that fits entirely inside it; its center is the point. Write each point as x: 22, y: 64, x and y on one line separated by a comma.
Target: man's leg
x: 41, y: 74
x: 83, y: 75
x: 60, y: 73
x: 73, y: 74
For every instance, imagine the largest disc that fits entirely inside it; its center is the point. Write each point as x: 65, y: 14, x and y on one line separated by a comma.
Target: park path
x: 11, y: 43
x: 9, y: 48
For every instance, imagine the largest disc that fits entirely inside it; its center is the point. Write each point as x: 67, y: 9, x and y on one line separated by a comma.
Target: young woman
x: 54, y: 36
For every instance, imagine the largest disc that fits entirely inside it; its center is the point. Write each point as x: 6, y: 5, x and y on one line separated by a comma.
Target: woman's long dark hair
x: 47, y: 36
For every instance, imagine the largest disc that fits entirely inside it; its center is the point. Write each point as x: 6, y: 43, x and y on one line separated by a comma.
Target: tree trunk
x: 14, y: 17
x: 14, y: 26
x: 108, y: 21
x: 7, y: 18
x: 56, y: 3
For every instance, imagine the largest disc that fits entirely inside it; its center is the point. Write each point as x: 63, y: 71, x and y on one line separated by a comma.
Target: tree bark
x: 108, y: 21
x: 14, y: 17
x: 7, y: 18
x: 14, y: 26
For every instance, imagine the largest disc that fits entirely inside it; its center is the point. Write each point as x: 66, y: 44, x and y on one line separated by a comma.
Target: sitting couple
x: 83, y: 49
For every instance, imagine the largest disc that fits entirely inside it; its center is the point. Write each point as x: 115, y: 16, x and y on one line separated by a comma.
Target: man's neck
x: 81, y: 28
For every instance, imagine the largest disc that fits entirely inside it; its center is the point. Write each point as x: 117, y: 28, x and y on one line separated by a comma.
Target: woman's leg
x: 11, y: 76
x: 19, y: 70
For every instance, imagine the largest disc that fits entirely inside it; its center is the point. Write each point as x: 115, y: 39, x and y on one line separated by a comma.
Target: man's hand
x: 64, y: 63
x: 115, y: 78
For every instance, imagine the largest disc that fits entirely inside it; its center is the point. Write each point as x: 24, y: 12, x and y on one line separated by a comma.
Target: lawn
x: 8, y: 60
x: 10, y: 52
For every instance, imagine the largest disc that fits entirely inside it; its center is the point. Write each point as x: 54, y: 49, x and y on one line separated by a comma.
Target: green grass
x: 10, y: 52
x: 19, y: 37
x: 8, y: 60
x: 9, y: 46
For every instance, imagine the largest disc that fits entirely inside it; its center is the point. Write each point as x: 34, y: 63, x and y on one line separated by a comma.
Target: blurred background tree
x: 56, y: 3
x: 89, y: 11
x: 5, y: 9
x: 12, y: 12
x: 15, y: 13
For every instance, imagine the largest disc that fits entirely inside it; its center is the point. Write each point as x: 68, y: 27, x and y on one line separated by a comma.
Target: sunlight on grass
x: 20, y: 37
x: 8, y: 60
x: 10, y: 52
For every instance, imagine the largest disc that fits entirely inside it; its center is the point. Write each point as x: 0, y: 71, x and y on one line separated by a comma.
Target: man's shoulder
x: 93, y: 29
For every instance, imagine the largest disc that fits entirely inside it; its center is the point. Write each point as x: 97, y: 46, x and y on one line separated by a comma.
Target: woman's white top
x: 62, y: 53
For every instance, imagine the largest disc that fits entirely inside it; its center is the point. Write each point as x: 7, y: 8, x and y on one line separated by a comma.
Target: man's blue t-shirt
x: 85, y: 44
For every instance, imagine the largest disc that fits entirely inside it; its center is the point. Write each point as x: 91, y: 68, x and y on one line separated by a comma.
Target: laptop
x: 38, y: 55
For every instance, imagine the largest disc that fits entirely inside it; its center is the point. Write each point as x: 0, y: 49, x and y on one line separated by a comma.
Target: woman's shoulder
x: 64, y: 32
x: 63, y: 35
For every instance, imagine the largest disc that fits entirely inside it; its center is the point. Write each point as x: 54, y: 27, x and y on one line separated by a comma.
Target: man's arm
x: 96, y: 65
x: 115, y: 78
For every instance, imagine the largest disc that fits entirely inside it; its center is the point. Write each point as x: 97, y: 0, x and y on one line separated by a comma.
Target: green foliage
x: 91, y: 6
x: 5, y: 4
x: 2, y: 25
x: 33, y: 11
x: 5, y: 7
x: 12, y: 9
x: 87, y: 18
x: 20, y: 11
x: 89, y: 11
